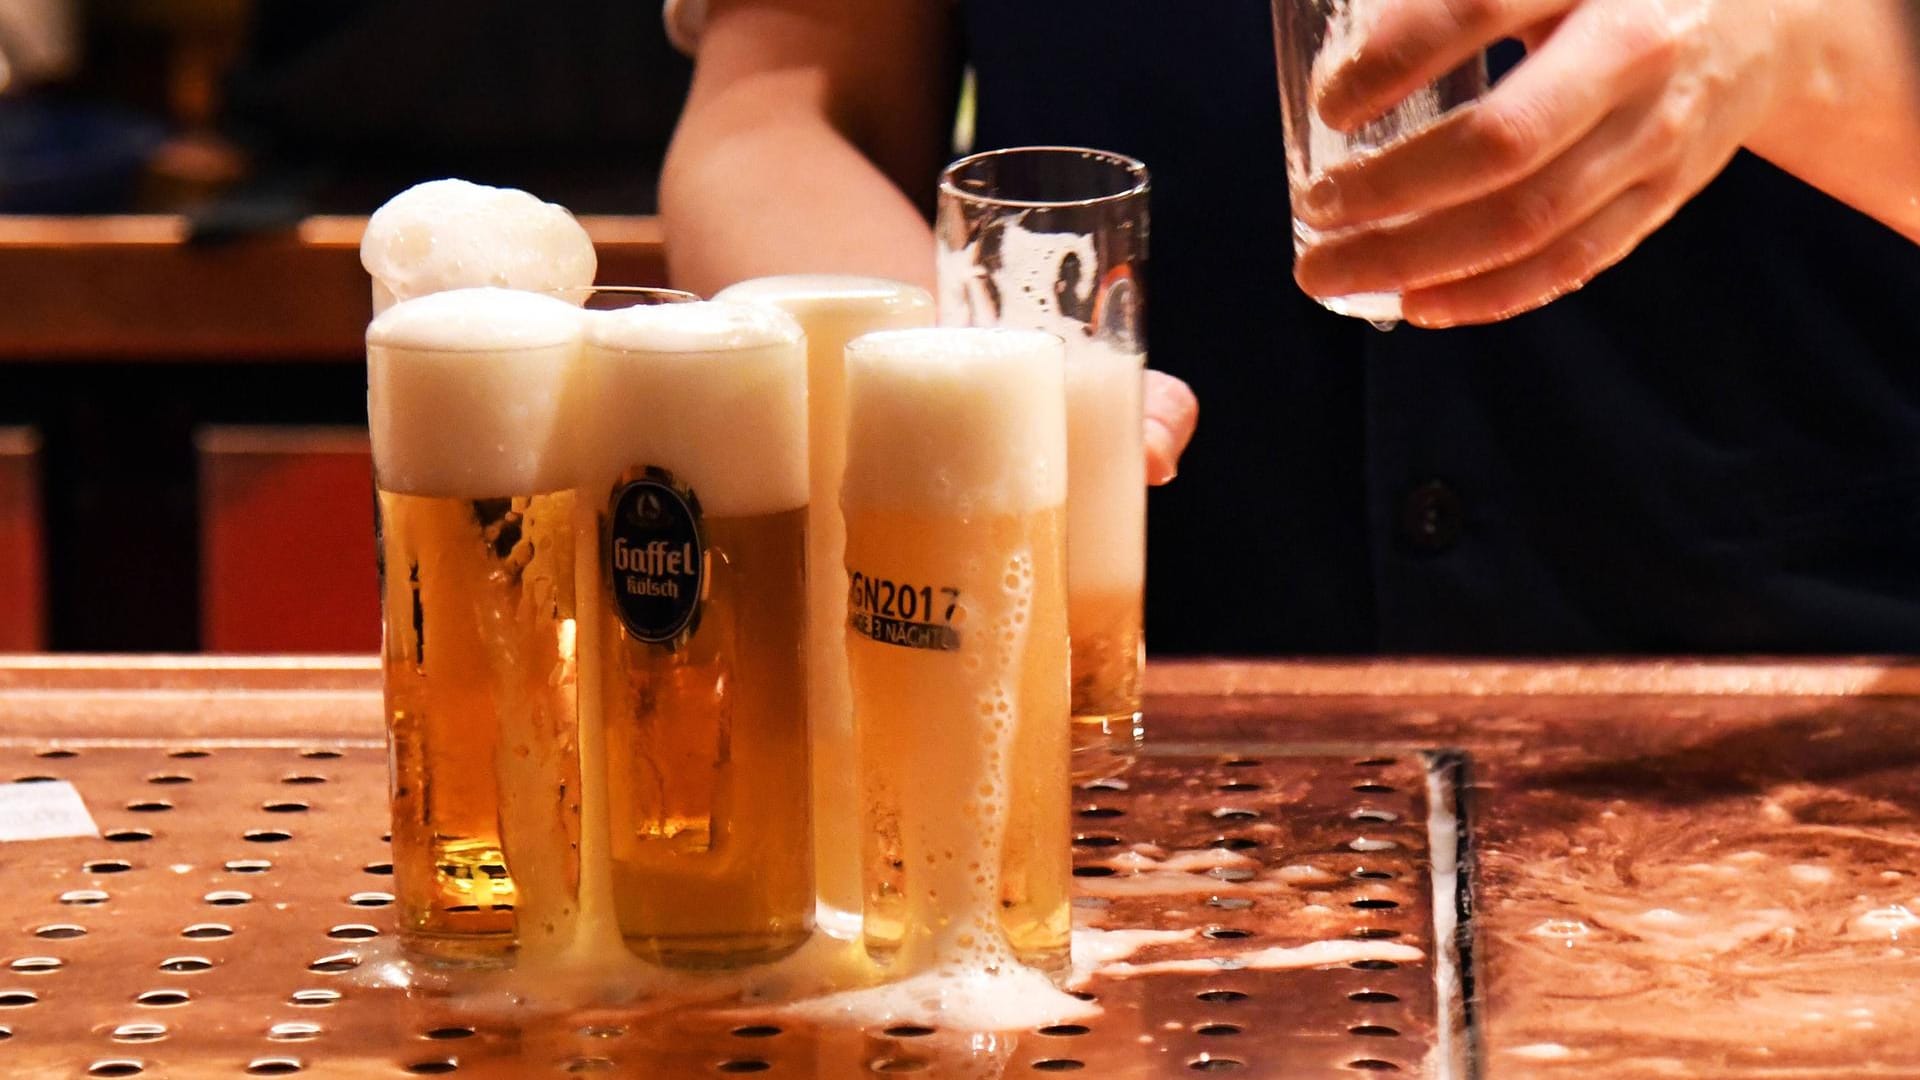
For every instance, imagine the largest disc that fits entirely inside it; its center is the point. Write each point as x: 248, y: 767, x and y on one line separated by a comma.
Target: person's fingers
x: 1502, y: 228
x: 1592, y: 62
x: 1171, y: 414
x: 1562, y: 267
x: 1534, y: 36
x: 1413, y: 42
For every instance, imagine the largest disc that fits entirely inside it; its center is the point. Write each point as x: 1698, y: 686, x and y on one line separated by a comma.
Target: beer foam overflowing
x: 956, y: 420
x: 715, y: 393
x: 465, y: 393
x: 958, y: 996
x: 452, y: 234
x: 964, y: 430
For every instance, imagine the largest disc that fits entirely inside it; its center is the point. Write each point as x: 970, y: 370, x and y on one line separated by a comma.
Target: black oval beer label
x: 656, y: 560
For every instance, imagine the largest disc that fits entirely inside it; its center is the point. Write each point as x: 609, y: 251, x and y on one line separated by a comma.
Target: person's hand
x: 1171, y: 413
x: 1621, y: 112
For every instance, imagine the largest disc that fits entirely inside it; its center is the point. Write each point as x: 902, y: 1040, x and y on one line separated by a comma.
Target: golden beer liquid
x: 965, y: 751
x: 707, y: 758
x: 833, y: 309
x: 1107, y: 660
x: 478, y: 603
x: 1106, y: 553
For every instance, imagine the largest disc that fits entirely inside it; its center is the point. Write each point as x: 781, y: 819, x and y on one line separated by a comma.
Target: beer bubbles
x: 955, y: 496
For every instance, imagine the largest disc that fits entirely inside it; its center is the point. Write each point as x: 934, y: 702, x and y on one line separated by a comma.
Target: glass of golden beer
x: 1055, y: 238
x: 694, y: 503
x: 833, y: 309
x: 955, y: 504
x: 467, y: 398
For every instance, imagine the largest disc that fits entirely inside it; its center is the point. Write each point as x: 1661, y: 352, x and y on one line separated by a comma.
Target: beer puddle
x: 833, y: 983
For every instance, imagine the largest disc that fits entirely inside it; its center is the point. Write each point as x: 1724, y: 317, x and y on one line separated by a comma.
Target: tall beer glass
x: 833, y: 309
x: 955, y: 502
x: 474, y: 464
x: 1055, y: 239
x: 697, y: 480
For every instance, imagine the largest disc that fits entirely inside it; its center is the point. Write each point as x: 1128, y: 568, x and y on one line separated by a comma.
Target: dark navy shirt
x: 1714, y: 447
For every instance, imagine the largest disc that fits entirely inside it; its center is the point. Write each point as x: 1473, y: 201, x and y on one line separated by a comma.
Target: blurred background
x: 183, y: 461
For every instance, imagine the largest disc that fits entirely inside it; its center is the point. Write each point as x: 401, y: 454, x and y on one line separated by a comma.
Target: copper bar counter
x: 1676, y: 869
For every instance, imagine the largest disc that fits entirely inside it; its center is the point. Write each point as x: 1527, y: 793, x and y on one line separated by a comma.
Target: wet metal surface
x: 1686, y: 870
x: 230, y: 917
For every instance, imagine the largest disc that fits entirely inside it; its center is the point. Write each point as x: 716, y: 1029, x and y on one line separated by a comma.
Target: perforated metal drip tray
x: 220, y: 924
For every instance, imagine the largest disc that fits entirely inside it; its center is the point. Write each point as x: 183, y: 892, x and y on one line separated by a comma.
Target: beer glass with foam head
x: 475, y: 466
x: 1310, y: 38
x: 955, y: 498
x: 832, y: 309
x: 695, y: 474
x: 1055, y: 239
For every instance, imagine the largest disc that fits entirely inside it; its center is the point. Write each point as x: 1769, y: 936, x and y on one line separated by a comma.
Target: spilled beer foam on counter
x: 833, y: 983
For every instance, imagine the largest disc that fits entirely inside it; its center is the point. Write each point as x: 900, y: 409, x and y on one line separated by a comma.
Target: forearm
x: 745, y: 194
x: 810, y: 141
x: 1847, y: 115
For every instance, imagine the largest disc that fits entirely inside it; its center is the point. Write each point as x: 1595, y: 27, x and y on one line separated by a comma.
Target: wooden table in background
x: 132, y: 288
x: 190, y: 408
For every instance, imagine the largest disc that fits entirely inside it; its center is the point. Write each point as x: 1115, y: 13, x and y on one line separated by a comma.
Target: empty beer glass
x: 1311, y: 38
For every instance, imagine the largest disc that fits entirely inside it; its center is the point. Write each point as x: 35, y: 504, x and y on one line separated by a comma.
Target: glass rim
x: 658, y: 293
x: 1133, y: 168
x: 665, y: 293
x: 856, y: 344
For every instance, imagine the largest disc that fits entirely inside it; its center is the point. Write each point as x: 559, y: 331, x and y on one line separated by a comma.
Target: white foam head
x: 714, y: 392
x: 954, y: 420
x: 451, y: 234
x: 466, y: 392
x: 882, y: 301
x: 1106, y: 490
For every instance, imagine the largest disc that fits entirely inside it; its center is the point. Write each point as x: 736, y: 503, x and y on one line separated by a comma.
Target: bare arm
x: 811, y: 141
x: 1848, y: 120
